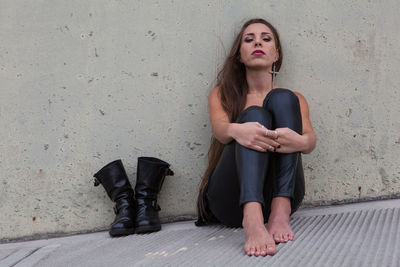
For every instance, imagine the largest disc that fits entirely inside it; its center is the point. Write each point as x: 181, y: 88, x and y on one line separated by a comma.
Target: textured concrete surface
x: 85, y: 83
x: 365, y: 234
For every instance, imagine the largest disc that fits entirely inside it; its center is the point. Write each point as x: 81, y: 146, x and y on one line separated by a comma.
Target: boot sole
x: 147, y: 229
x: 122, y: 232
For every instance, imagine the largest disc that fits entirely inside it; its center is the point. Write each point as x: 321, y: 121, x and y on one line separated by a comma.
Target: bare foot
x: 258, y: 241
x: 279, y: 222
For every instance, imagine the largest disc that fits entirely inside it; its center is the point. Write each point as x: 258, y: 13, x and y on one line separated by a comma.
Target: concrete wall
x: 87, y: 82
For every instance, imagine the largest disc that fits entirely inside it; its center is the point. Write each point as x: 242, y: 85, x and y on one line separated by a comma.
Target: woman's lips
x: 258, y: 52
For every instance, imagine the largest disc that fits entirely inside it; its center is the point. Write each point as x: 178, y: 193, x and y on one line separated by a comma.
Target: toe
x: 263, y: 251
x: 276, y: 238
x: 291, y: 236
x: 280, y: 237
x: 284, y: 238
x: 271, y: 249
x: 288, y: 237
x: 247, y: 248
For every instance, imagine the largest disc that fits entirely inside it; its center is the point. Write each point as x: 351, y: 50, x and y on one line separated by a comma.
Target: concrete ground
x: 362, y: 234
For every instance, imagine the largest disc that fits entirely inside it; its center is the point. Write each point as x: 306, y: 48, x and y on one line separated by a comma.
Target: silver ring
x: 266, y: 132
x: 270, y: 147
x: 276, y: 134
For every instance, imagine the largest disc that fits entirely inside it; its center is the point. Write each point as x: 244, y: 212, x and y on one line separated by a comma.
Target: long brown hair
x: 233, y: 90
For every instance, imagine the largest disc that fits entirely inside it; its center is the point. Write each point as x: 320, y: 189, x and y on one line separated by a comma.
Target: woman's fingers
x: 267, y: 141
x: 263, y: 147
x: 271, y: 133
x: 257, y: 148
x: 261, y: 140
x: 260, y: 125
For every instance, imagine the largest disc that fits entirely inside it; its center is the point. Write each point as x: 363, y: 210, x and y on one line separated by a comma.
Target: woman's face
x: 257, y: 48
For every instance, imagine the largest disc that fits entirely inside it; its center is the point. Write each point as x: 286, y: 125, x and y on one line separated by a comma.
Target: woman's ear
x: 276, y: 55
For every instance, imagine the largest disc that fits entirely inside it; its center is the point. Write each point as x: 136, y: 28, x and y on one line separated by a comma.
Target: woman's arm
x: 309, y: 137
x: 290, y: 140
x: 249, y: 134
x: 221, y: 127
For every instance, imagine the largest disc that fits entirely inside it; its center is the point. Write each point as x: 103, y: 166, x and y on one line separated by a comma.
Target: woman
x: 255, y: 172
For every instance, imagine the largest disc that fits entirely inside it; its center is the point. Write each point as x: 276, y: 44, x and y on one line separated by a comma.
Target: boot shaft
x: 114, y: 180
x: 150, y: 176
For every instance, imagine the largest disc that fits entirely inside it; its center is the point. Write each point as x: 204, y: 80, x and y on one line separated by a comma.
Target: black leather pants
x: 244, y: 175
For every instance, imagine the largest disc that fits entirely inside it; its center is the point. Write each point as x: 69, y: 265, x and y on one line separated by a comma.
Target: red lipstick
x: 258, y: 52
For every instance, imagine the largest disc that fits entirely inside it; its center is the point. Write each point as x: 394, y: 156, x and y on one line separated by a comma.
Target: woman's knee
x: 281, y: 98
x: 255, y: 114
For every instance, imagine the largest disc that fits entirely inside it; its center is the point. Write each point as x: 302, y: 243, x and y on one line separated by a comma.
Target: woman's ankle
x: 281, y: 206
x: 252, y: 213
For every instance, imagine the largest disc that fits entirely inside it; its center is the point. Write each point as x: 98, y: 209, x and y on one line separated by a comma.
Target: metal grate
x: 365, y: 234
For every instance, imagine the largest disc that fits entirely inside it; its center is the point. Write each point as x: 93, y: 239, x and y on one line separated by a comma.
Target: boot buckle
x: 168, y: 172
x: 155, y: 205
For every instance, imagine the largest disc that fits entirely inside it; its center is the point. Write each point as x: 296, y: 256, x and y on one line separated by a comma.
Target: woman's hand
x: 253, y: 135
x: 289, y: 140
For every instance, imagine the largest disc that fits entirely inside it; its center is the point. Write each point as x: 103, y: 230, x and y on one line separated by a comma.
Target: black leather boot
x: 150, y: 177
x: 115, y: 181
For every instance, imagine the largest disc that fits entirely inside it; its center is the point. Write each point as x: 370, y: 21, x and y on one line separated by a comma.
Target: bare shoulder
x: 302, y: 99
x: 307, y: 127
x: 217, y: 112
x: 215, y: 97
x: 303, y: 105
x: 214, y: 92
x: 300, y: 96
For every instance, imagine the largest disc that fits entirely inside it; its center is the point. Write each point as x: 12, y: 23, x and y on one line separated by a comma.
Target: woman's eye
x: 248, y: 40
x: 267, y: 39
